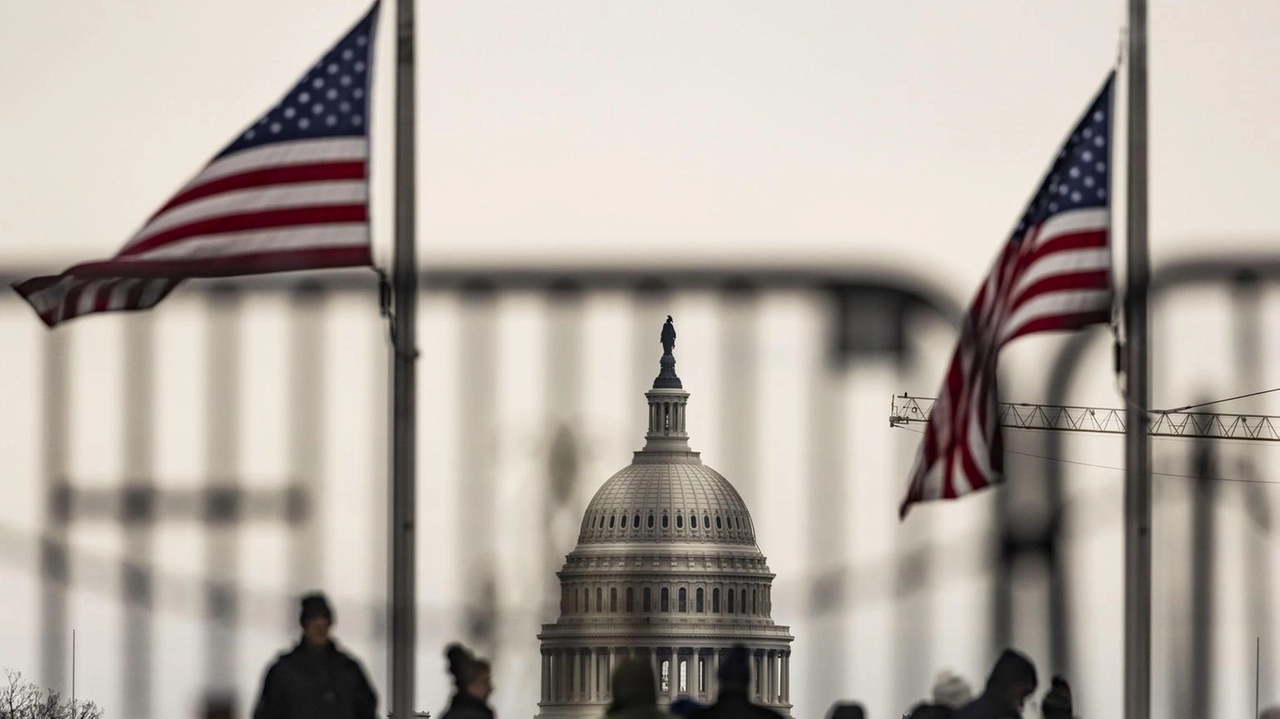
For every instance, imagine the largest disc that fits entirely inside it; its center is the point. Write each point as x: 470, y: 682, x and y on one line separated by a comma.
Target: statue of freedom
x: 668, y: 336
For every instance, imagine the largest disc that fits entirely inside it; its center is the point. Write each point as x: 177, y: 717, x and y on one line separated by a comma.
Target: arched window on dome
x: 599, y: 599
x: 743, y: 601
x: 635, y: 521
x: 631, y: 600
x: 613, y: 599
x: 755, y: 605
x: 706, y: 521
x: 624, y: 521
x: 684, y: 600
x: 679, y: 521
x: 715, y: 601
x: 729, y: 601
x: 666, y: 521
x: 651, y: 521
x: 719, y: 524
x: 611, y: 518
x: 645, y: 605
x: 664, y: 600
x: 693, y: 521
x: 697, y: 602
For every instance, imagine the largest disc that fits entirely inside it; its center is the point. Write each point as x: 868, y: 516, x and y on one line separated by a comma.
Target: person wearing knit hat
x: 951, y: 690
x: 733, y: 701
x: 316, y: 680
x: 472, y: 682
x: 1012, y: 680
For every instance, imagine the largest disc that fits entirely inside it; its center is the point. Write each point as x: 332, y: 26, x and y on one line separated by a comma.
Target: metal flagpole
x: 404, y: 405
x: 1137, y: 491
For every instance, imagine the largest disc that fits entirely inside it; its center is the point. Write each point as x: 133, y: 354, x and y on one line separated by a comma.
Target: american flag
x: 289, y: 193
x: 1053, y: 274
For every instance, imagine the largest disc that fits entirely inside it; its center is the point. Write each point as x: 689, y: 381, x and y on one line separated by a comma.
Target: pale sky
x: 905, y: 135
x: 907, y: 132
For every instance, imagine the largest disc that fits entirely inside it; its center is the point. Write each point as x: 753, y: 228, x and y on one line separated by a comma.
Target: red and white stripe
x: 297, y: 205
x: 1057, y: 278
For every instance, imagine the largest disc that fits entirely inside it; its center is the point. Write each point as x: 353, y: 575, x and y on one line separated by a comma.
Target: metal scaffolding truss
x: 908, y: 410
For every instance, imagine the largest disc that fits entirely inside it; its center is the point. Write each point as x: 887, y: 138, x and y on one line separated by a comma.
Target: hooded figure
x: 635, y: 695
x: 472, y: 683
x: 316, y: 680
x: 1012, y: 680
x: 735, y: 678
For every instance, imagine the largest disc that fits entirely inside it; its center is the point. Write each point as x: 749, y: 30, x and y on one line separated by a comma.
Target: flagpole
x: 403, y: 631
x: 1137, y: 492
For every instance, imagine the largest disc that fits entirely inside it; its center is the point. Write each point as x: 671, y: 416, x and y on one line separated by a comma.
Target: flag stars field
x: 289, y: 193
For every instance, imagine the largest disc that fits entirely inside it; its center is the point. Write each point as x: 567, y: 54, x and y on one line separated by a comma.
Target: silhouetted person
x: 668, y: 336
x: 472, y: 682
x: 218, y: 707
x: 951, y: 691
x: 735, y: 678
x: 931, y: 711
x: 1057, y: 703
x: 847, y: 710
x: 950, y: 694
x: 635, y: 695
x: 685, y: 707
x: 316, y: 680
x: 1012, y: 680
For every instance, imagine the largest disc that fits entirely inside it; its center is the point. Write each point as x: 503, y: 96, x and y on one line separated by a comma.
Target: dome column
x: 786, y: 676
x: 546, y: 677
x: 772, y: 677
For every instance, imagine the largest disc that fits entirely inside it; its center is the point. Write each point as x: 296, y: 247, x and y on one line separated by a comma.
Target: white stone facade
x: 666, y: 569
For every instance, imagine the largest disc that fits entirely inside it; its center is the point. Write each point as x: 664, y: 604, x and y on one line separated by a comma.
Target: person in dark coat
x: 1012, y: 680
x: 847, y: 710
x: 931, y: 711
x: 733, y: 702
x: 635, y: 695
x: 1057, y: 703
x: 685, y: 707
x: 316, y: 680
x: 472, y: 682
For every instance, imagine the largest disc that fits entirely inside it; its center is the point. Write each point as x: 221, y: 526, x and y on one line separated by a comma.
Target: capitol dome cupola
x: 668, y: 432
x: 666, y: 569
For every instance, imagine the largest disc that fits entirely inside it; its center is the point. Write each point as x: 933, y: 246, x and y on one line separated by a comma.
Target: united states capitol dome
x: 667, y: 502
x: 667, y: 570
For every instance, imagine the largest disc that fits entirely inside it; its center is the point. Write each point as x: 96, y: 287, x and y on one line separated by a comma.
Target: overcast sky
x: 908, y: 132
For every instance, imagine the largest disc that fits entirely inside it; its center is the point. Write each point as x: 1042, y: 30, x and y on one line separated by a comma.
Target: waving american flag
x: 289, y: 193
x: 1053, y: 274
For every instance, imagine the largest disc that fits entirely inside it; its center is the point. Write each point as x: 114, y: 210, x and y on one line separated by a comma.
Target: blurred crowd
x: 317, y: 680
